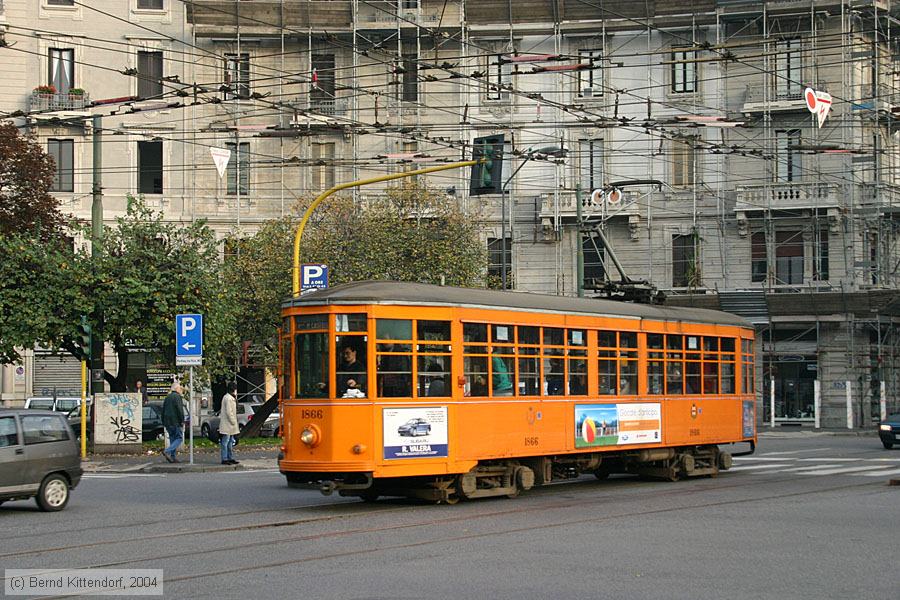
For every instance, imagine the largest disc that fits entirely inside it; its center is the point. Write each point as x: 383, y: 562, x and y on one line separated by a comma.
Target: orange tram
x: 444, y: 393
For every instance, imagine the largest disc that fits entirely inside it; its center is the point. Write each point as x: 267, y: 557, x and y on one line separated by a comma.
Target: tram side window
x: 675, y: 364
x: 475, y: 359
x: 727, y: 367
x: 285, y: 374
x: 352, y: 377
x: 628, y: 363
x: 393, y: 338
x: 710, y: 365
x: 577, y: 361
x: 311, y: 361
x: 554, y: 363
x: 503, y: 356
x: 529, y: 351
x: 433, y: 358
x: 655, y: 364
x: 748, y: 380
x: 692, y: 375
x: 607, y: 350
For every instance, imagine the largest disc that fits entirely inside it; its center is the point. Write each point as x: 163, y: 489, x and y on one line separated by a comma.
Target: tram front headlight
x: 310, y: 436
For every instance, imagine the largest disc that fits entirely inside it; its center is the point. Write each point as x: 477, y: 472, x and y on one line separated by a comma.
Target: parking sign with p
x: 313, y: 276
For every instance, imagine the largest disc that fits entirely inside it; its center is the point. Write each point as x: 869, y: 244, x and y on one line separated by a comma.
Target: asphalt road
x: 808, y: 516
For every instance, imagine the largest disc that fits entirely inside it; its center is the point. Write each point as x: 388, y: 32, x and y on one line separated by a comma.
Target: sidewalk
x: 766, y: 431
x: 204, y: 461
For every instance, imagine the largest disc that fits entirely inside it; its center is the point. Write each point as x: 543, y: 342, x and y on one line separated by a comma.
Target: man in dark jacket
x: 173, y: 420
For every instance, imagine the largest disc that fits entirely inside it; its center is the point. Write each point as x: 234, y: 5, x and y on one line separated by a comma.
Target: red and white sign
x: 818, y: 103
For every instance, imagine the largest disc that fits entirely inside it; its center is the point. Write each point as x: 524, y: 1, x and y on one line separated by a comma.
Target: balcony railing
x: 328, y: 106
x: 42, y: 101
x: 758, y: 98
x: 788, y: 195
x: 568, y: 208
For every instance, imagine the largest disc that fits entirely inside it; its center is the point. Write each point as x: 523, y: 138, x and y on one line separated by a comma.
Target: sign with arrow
x: 188, y: 340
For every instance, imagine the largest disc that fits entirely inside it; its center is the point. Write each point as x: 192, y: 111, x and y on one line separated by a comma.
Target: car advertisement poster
x: 415, y: 432
x: 617, y: 424
x: 749, y: 418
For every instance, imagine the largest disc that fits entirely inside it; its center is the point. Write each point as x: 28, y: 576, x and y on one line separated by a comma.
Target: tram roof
x: 399, y: 292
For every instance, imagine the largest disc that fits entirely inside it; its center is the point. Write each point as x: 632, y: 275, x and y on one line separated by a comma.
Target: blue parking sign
x: 313, y: 276
x: 188, y: 340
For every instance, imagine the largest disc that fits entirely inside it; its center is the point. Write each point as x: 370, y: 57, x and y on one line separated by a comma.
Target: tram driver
x: 351, y: 374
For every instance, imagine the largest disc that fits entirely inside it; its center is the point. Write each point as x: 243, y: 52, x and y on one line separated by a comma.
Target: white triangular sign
x: 823, y: 106
x: 220, y: 156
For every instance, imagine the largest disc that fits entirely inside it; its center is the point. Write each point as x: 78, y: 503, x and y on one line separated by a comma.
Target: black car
x: 151, y: 422
x: 889, y: 431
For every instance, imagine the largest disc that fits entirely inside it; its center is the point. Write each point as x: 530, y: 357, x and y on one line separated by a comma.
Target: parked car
x: 210, y: 428
x: 151, y: 422
x: 59, y: 404
x: 272, y: 426
x: 889, y: 431
x: 415, y: 427
x: 38, y: 458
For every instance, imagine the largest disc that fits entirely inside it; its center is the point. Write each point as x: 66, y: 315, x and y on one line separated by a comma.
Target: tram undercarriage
x: 510, y: 477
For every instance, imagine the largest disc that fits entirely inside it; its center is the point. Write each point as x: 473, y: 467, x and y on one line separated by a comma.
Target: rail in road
x: 596, y: 503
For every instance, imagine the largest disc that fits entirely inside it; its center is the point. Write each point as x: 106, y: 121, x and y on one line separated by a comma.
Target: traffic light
x: 83, y: 339
x: 487, y: 176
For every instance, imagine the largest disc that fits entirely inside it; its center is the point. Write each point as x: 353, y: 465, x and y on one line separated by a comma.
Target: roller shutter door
x: 56, y: 373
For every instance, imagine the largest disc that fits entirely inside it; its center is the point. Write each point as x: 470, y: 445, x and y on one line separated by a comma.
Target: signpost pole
x: 191, y: 409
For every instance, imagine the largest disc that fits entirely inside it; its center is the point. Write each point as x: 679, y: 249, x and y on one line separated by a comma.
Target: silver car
x: 39, y: 458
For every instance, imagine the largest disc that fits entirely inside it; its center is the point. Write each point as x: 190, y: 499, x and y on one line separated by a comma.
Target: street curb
x: 189, y: 468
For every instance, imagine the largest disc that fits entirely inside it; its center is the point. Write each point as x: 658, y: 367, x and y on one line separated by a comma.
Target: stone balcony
x: 791, y: 195
x: 557, y: 209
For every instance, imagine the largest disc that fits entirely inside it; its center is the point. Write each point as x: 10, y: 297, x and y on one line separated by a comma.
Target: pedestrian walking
x: 173, y: 420
x: 140, y: 389
x: 228, y: 425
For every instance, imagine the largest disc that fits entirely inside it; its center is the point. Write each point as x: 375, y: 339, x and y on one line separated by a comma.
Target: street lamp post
x: 529, y: 155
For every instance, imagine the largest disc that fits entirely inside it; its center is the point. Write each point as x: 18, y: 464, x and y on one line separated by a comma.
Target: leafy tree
x: 26, y: 176
x: 413, y: 234
x: 148, y: 270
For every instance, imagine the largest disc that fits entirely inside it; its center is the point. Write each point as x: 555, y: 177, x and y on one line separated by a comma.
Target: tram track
x: 497, y: 533
x: 580, y: 502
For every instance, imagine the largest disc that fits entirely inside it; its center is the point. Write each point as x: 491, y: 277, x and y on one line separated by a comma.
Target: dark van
x: 39, y: 458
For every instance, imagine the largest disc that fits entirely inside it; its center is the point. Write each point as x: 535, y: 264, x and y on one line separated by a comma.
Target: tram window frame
x: 322, y: 376
x: 656, y: 364
x: 576, y: 362
x: 394, y: 347
x: 285, y: 385
x: 503, y: 354
x: 433, y: 348
x: 748, y: 357
x: 617, y: 362
x: 475, y: 359
x: 357, y: 379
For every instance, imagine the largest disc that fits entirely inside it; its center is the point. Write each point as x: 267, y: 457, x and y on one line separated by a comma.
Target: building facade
x: 689, y: 144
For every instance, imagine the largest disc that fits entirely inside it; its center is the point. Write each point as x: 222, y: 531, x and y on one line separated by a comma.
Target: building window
x: 150, y: 72
x: 150, y: 167
x: 590, y: 81
x: 63, y: 153
x: 684, y: 155
x: 496, y: 251
x: 321, y: 96
x: 684, y: 72
x: 240, y: 161
x: 758, y: 261
x: 788, y: 69
x: 62, y: 69
x: 820, y: 256
x: 685, y: 271
x: 500, y: 76
x: 787, y: 158
x: 591, y: 158
x: 788, y: 257
x: 409, y: 84
x: 594, y: 268
x: 150, y: 4
x: 237, y: 75
x: 323, y: 167
x: 60, y: 2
